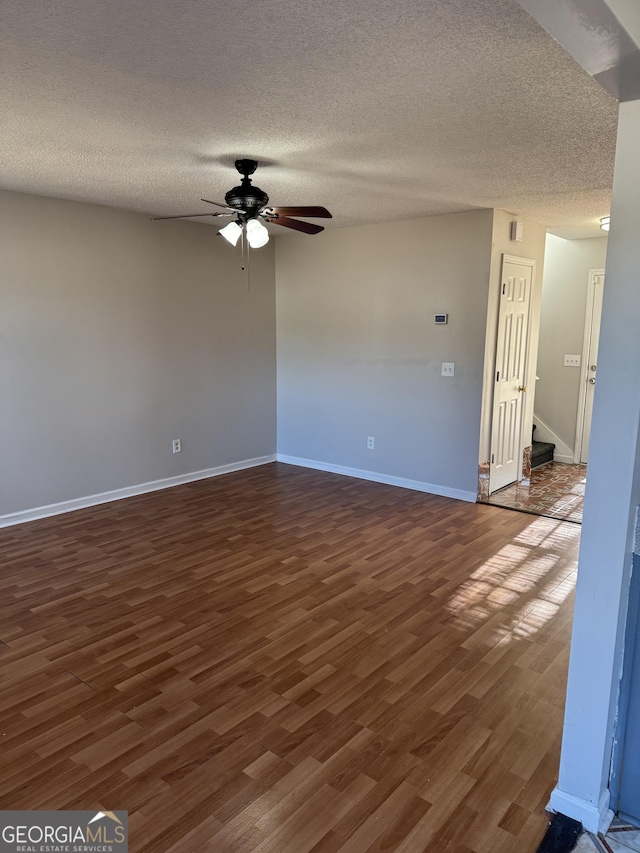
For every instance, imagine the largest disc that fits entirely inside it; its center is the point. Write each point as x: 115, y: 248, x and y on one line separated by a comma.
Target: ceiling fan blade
x: 187, y: 216
x: 223, y: 206
x: 296, y: 224
x: 320, y: 212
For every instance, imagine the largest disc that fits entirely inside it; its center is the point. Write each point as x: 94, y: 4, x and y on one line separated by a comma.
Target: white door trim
x: 528, y: 262
x: 584, y: 363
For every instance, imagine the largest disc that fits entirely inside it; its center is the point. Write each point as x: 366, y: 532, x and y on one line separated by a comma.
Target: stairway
x: 541, y: 451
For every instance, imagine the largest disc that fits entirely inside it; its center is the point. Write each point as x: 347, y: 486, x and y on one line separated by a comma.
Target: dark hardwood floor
x: 285, y: 661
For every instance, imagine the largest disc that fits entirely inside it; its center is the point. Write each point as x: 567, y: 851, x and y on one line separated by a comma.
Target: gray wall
x: 359, y: 354
x: 564, y: 296
x: 116, y: 336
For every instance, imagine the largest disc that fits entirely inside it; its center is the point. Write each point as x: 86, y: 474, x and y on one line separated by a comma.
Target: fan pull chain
x: 245, y: 264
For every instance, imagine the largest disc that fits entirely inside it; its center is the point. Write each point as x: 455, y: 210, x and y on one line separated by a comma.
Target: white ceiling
x: 377, y: 110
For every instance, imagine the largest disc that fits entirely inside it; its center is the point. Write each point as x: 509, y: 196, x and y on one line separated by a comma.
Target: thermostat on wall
x: 440, y: 319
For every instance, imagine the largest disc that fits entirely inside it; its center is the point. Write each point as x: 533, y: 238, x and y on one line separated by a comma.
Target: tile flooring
x: 588, y: 843
x: 555, y: 490
x: 621, y: 838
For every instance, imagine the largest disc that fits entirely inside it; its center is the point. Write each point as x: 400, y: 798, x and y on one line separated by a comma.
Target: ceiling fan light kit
x: 231, y: 232
x: 257, y: 234
x: 249, y: 206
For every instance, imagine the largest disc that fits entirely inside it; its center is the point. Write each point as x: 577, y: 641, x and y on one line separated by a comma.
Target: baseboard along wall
x: 594, y: 817
x: 49, y: 510
x: 128, y: 492
x: 374, y: 476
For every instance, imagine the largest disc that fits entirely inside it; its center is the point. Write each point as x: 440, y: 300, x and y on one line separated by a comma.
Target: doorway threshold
x: 555, y: 490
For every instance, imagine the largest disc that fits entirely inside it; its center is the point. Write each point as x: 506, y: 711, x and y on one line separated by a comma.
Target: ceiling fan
x: 249, y: 205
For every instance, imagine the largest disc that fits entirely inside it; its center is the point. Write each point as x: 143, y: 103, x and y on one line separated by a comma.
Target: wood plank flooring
x: 286, y: 661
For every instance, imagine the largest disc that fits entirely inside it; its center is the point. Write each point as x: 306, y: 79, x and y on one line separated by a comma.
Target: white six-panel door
x: 509, y: 389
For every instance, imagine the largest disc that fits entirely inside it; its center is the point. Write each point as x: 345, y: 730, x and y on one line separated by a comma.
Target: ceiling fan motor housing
x: 246, y: 197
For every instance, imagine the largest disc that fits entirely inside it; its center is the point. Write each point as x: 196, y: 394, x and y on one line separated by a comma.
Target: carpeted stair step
x: 541, y: 451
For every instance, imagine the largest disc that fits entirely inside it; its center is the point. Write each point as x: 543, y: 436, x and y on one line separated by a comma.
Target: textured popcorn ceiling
x: 377, y: 110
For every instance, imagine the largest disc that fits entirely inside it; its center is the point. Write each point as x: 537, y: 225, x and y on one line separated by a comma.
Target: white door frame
x: 584, y: 363
x: 526, y: 406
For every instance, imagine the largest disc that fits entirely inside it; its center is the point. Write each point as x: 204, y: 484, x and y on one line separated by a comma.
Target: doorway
x: 572, y: 287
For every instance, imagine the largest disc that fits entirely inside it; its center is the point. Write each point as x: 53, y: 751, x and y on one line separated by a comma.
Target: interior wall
x: 359, y: 354
x: 564, y: 303
x: 118, y: 335
x: 611, y: 502
x: 531, y: 247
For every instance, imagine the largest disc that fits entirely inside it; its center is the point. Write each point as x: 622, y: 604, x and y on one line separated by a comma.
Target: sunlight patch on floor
x: 532, y: 588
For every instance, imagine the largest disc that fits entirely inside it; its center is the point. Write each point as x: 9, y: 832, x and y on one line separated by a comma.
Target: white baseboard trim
x: 562, y: 453
x: 593, y: 818
x: 416, y: 485
x: 128, y: 492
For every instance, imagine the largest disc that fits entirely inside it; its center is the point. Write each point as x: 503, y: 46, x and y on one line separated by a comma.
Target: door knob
x: 592, y: 381
x: 522, y: 387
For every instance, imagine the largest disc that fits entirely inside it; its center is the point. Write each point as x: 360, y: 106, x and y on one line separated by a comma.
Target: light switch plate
x: 572, y: 361
x: 448, y: 368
